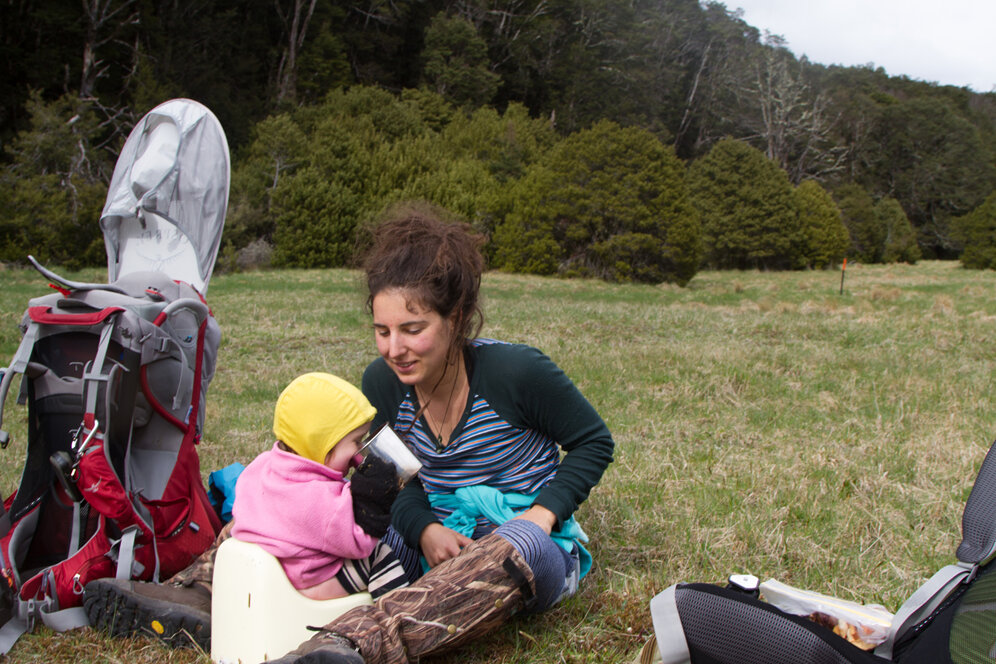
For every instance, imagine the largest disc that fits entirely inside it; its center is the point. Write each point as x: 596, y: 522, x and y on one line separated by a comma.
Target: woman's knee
x: 547, y: 560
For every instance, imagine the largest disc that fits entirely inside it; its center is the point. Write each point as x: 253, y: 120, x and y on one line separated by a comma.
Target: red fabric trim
x: 185, y: 283
x: 45, y: 316
x: 64, y: 291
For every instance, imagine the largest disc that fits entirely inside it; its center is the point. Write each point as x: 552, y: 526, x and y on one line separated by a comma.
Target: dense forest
x: 638, y: 140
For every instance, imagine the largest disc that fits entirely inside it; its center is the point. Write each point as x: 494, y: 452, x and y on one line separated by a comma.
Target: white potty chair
x: 256, y: 614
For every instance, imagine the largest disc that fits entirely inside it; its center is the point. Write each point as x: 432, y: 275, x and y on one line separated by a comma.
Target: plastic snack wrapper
x: 864, y: 625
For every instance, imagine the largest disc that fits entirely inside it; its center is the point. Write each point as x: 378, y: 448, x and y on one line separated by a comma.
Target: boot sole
x: 122, y: 615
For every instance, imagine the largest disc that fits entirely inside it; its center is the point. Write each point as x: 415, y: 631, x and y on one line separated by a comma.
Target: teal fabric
x: 221, y: 489
x: 469, y: 502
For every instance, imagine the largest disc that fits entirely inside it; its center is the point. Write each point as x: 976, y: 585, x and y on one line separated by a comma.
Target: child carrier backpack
x: 115, y: 377
x: 951, y: 619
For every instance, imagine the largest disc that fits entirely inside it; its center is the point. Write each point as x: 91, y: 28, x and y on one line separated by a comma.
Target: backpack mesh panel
x: 51, y: 423
x: 730, y: 630
x: 53, y: 419
x: 973, y: 631
x: 978, y: 523
x: 50, y: 540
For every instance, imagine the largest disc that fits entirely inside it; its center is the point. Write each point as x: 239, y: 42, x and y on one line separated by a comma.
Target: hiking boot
x: 323, y: 648
x: 177, y: 615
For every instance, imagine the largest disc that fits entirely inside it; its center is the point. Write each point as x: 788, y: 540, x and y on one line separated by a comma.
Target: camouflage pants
x: 455, y: 602
x: 201, y: 571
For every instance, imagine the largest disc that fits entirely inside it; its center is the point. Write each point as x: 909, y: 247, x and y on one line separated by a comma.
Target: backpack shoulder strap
x: 18, y: 365
x: 670, y: 635
x: 11, y: 632
x: 923, y: 603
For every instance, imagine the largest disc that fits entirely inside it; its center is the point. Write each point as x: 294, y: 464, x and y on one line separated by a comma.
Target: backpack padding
x: 978, y: 522
x: 50, y: 418
x: 725, y: 626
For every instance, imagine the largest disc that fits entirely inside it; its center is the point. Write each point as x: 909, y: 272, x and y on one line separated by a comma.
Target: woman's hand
x: 439, y: 543
x: 541, y: 516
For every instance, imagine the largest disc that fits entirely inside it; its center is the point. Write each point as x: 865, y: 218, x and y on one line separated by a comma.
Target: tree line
x: 630, y: 141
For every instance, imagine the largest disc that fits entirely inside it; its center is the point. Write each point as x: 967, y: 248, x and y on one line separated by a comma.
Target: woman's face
x: 414, y: 339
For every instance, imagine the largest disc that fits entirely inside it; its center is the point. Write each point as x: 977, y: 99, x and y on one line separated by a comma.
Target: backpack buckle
x: 78, y: 447
x: 65, y: 464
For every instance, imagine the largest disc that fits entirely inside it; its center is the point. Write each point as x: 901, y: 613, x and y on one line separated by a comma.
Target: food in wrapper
x: 864, y: 625
x: 843, y: 629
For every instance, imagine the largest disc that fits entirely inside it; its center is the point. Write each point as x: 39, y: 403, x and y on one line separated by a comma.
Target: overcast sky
x: 951, y: 42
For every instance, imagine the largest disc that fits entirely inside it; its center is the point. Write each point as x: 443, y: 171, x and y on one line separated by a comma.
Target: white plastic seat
x: 256, y: 614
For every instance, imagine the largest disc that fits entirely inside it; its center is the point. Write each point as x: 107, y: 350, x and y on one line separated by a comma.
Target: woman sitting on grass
x: 490, y: 515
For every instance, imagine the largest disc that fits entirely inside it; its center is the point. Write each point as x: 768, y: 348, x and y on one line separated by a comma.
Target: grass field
x: 764, y: 423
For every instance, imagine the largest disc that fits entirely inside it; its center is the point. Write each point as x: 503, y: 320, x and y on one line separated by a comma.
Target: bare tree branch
x: 103, y: 24
x: 295, y: 33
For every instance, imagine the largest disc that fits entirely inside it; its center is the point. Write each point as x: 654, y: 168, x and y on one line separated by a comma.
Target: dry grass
x: 764, y: 423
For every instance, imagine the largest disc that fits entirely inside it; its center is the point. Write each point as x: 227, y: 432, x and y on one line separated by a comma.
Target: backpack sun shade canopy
x: 166, y: 204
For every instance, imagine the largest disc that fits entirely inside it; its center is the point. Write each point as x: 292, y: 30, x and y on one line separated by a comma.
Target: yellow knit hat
x: 316, y: 411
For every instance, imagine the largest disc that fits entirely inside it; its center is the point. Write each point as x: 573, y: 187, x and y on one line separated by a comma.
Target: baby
x: 295, y: 502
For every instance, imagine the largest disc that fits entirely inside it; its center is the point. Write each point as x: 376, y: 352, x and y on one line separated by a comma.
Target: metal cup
x: 386, y: 445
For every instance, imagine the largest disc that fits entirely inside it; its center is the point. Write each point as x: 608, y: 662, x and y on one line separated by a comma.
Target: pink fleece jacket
x: 301, y: 512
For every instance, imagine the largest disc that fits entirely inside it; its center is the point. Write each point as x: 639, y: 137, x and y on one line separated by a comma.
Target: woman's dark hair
x: 439, y: 262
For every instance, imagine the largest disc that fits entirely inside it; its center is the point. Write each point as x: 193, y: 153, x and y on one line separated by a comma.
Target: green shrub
x: 865, y: 228
x: 880, y: 232
x: 607, y: 202
x: 315, y: 221
x: 749, y: 216
x: 825, y: 238
x: 366, y: 148
x: 900, y: 239
x: 977, y: 233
